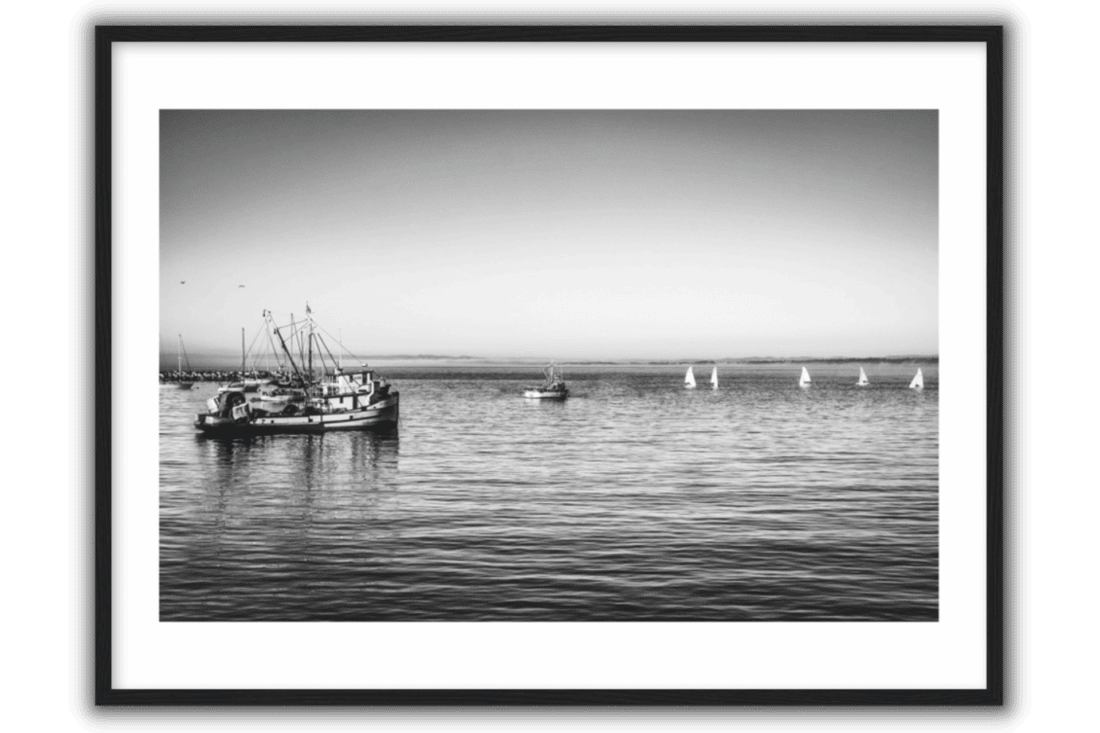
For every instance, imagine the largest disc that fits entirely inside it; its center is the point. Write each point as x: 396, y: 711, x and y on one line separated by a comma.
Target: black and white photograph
x: 557, y: 365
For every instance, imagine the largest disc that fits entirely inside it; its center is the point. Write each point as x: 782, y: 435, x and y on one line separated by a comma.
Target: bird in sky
x: 182, y: 282
x: 240, y: 286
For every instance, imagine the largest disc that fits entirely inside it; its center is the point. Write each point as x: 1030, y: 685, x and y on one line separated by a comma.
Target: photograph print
x: 549, y: 365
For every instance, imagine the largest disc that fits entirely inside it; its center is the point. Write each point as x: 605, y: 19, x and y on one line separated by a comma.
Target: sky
x: 567, y: 234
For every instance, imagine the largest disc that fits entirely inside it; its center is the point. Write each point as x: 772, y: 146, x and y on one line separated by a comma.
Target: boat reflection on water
x: 301, y: 464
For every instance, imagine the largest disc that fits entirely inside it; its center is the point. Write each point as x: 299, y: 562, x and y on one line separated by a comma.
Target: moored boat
x: 340, y: 399
x: 552, y: 389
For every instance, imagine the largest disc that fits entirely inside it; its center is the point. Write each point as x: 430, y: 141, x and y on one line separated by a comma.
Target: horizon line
x: 594, y: 360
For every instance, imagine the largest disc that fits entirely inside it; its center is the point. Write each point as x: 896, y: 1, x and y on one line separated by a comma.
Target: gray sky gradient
x: 572, y: 234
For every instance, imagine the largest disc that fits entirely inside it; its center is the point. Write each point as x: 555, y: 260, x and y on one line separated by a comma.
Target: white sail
x: 714, y: 378
x: 862, y: 378
x: 689, y: 379
x: 804, y: 380
x: 918, y: 381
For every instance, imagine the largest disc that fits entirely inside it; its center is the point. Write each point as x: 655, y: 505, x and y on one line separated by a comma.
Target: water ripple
x: 633, y: 500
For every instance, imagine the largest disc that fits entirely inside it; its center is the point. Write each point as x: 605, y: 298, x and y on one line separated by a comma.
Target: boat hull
x: 280, y: 399
x: 538, y: 394
x: 382, y: 415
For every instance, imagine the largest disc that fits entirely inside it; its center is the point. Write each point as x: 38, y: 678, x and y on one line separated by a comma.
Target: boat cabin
x: 350, y: 391
x: 347, y: 384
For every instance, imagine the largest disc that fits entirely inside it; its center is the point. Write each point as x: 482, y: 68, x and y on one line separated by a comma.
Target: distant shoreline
x: 200, y: 362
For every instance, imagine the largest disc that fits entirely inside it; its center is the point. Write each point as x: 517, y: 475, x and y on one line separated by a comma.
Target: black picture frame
x: 990, y: 35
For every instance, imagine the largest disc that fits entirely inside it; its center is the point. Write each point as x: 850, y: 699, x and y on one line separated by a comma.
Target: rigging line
x: 289, y: 356
x: 253, y: 344
x: 323, y: 343
x: 353, y: 356
x: 269, y: 353
x: 271, y: 343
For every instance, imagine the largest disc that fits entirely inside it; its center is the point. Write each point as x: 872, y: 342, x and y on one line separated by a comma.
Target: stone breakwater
x: 213, y: 376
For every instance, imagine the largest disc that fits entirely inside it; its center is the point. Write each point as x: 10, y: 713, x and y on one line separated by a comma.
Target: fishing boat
x: 918, y: 381
x: 689, y: 379
x: 714, y: 378
x: 804, y: 380
x: 553, y: 388
x: 338, y: 399
x: 180, y: 356
x: 862, y: 378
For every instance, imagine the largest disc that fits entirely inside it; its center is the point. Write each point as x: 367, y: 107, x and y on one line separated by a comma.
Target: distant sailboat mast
x: 689, y: 379
x: 181, y: 354
x: 862, y: 378
x: 918, y: 381
x: 714, y: 378
x: 804, y: 380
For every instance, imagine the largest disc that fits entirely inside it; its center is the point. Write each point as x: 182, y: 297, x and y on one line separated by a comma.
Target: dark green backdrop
x: 34, y: 296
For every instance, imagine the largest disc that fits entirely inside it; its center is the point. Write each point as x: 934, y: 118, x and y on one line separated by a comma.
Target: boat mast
x: 269, y: 326
x: 289, y: 356
x: 296, y: 335
x: 309, y: 319
x: 242, y: 352
x: 179, y: 354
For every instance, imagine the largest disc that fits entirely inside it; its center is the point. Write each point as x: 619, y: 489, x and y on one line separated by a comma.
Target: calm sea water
x: 633, y: 500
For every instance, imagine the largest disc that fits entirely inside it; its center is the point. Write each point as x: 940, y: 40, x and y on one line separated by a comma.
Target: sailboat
x: 689, y: 379
x: 862, y: 378
x: 714, y: 378
x: 180, y: 354
x: 804, y: 380
x: 918, y: 381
